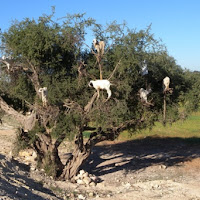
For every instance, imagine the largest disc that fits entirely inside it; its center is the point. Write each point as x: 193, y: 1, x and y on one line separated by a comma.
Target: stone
x: 34, y: 155
x: 163, y: 166
x: 91, y: 194
x: 127, y: 185
x: 87, y: 180
x: 81, y: 172
x: 24, y: 153
x: 92, y: 184
x: 94, y: 178
x: 86, y: 174
x: 32, y: 168
x: 79, y: 176
x: 80, y: 182
x: 81, y: 197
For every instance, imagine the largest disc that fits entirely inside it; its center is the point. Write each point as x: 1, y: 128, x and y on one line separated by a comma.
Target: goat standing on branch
x: 144, y: 70
x: 99, y: 46
x: 143, y: 95
x: 166, y: 82
x: 7, y: 61
x: 44, y: 95
x: 101, y: 84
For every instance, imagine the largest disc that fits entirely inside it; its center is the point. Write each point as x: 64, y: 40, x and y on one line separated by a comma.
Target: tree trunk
x: 164, y: 109
x: 83, y: 151
x: 47, y: 150
x: 74, y: 163
x: 47, y: 155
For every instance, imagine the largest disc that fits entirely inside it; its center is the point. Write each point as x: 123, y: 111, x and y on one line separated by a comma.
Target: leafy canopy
x: 56, y: 49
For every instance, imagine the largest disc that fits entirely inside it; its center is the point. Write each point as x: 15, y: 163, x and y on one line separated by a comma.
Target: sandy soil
x: 150, y: 168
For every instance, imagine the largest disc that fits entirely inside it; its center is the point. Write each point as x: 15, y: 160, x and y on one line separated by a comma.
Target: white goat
x: 144, y: 70
x: 143, y: 94
x: 6, y: 60
x: 99, y: 46
x: 166, y: 82
x: 44, y: 95
x: 101, y: 84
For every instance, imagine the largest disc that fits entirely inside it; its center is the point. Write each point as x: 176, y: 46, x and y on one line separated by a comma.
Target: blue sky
x: 176, y: 22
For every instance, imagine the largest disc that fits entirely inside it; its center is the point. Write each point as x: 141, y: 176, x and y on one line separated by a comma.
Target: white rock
x: 91, y: 194
x: 80, y: 182
x: 33, y: 168
x: 81, y: 197
x: 87, y: 180
x: 156, y: 186
x: 34, y: 155
x: 86, y: 174
x: 163, y: 166
x: 79, y: 176
x: 10, y: 154
x: 92, y: 184
x: 94, y: 178
x: 24, y: 153
x: 81, y: 172
x: 127, y: 185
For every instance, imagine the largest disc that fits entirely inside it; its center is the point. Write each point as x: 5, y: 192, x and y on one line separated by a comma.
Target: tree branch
x: 34, y: 78
x: 115, y: 69
x: 27, y: 122
x: 88, y: 107
x: 90, y: 49
x: 111, y: 134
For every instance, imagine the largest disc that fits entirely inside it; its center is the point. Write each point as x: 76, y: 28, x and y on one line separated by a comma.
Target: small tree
x: 47, y: 54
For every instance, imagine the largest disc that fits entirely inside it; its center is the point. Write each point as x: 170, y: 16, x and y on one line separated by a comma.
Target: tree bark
x: 82, y: 152
x: 34, y: 78
x: 88, y: 107
x: 78, y: 157
x: 27, y: 122
x: 47, y: 155
x: 164, y: 109
x: 74, y: 163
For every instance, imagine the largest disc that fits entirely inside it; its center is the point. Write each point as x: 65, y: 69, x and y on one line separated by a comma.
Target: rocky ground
x: 150, y: 168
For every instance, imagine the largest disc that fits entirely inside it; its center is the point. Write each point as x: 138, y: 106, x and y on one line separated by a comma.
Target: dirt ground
x: 150, y: 168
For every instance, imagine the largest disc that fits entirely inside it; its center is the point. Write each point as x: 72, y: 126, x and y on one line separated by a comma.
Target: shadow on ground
x: 138, y: 154
x: 15, y: 183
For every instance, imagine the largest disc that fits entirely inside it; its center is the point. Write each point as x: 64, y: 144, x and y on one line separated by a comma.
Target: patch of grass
x: 86, y: 134
x: 56, y: 190
x: 189, y: 128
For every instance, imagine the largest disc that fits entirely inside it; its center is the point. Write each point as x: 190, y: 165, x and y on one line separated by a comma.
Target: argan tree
x: 51, y: 54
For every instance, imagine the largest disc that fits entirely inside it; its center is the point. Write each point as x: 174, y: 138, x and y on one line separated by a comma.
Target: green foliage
x: 23, y: 141
x: 191, y: 98
x: 23, y: 89
x: 66, y: 125
x: 49, y: 167
x: 55, y: 50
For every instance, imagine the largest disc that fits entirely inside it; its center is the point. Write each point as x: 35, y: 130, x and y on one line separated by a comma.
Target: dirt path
x: 151, y: 168
x: 15, y: 177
